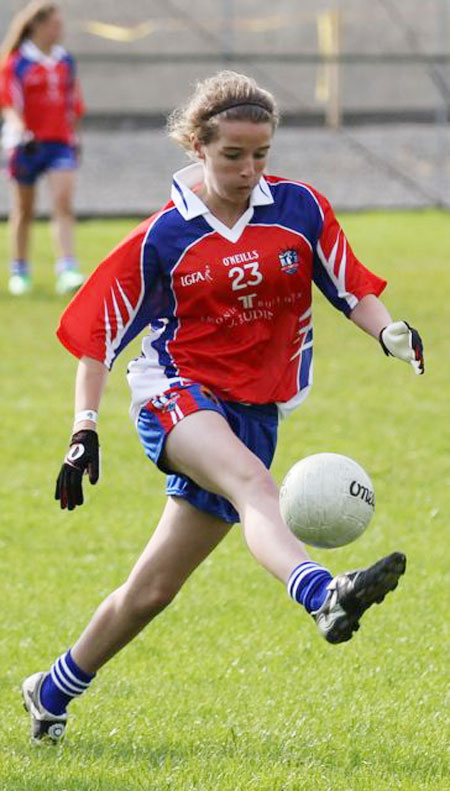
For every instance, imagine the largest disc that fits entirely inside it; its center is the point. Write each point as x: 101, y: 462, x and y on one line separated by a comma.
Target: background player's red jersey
x: 229, y: 308
x: 44, y: 89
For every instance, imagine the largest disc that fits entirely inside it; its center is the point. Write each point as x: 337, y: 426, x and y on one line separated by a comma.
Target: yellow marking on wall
x: 121, y: 33
x: 118, y: 32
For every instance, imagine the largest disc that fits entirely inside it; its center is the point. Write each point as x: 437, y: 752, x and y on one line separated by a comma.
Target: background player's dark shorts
x: 27, y: 163
x: 255, y: 425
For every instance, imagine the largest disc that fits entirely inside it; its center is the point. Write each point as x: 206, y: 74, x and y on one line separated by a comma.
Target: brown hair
x: 227, y: 95
x: 22, y: 25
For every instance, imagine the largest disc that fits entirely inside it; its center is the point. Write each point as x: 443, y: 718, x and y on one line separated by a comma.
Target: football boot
x: 44, y: 725
x: 352, y: 593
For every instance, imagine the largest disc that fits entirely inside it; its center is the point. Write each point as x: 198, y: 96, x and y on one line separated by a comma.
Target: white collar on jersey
x: 31, y: 51
x: 190, y: 205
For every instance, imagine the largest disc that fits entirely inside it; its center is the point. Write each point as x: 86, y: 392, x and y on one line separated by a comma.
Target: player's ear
x: 197, y: 147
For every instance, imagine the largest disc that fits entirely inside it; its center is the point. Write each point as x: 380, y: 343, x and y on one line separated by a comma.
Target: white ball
x: 327, y: 500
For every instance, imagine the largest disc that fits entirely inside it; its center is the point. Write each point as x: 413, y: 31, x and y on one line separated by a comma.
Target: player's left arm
x: 371, y: 315
x: 78, y: 142
x: 76, y: 102
x: 397, y: 338
x: 354, y: 289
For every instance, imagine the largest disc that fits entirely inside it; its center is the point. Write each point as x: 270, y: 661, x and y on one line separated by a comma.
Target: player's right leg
x: 352, y: 593
x: 203, y: 447
x: 62, y: 185
x: 20, y: 218
x: 183, y: 538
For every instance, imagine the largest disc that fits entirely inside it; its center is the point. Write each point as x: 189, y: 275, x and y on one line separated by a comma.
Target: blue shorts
x: 27, y: 163
x: 255, y: 425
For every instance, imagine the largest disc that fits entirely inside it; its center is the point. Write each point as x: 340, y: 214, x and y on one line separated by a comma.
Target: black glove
x: 28, y: 143
x: 83, y: 458
x: 31, y: 147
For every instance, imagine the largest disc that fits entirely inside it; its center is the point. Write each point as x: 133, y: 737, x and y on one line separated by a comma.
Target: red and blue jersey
x: 230, y: 308
x: 44, y: 90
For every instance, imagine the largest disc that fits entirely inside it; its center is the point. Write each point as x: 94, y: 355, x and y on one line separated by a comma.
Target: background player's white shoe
x: 69, y: 281
x: 44, y: 726
x: 352, y: 593
x: 19, y: 285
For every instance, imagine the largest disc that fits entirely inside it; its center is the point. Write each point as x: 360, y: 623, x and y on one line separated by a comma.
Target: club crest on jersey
x: 165, y: 403
x: 288, y: 261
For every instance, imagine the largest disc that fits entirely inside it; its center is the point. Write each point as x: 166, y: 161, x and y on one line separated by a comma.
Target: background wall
x: 392, y: 146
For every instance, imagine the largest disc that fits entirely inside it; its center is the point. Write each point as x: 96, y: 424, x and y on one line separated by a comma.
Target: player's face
x: 235, y: 160
x: 50, y: 30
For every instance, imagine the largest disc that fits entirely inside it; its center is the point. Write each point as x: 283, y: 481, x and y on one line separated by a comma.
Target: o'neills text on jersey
x: 241, y: 258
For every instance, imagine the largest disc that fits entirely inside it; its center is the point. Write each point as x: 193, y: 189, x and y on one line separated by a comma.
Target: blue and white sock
x: 19, y: 266
x: 307, y: 585
x: 66, y: 264
x: 64, y: 682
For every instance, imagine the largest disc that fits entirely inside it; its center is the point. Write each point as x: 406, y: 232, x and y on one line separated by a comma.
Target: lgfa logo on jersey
x: 195, y: 277
x: 289, y: 261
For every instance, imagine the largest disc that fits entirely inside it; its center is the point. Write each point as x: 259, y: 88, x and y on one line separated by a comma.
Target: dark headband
x: 232, y: 105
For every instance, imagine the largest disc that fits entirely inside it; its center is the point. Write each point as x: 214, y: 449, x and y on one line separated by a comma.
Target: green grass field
x: 232, y: 688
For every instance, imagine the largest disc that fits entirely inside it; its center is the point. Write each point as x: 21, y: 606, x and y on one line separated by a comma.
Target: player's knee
x: 63, y: 206
x: 257, y: 481
x: 252, y: 486
x: 22, y: 214
x: 143, y: 603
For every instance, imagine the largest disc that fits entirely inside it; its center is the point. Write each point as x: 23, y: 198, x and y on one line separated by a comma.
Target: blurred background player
x: 223, y: 275
x: 42, y: 105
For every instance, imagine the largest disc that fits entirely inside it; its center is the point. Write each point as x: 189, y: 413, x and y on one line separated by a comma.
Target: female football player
x: 222, y: 278
x: 41, y: 103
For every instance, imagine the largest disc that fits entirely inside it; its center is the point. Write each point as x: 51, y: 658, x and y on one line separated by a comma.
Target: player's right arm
x: 111, y: 308
x: 12, y: 104
x: 89, y: 385
x: 83, y: 456
x: 15, y: 119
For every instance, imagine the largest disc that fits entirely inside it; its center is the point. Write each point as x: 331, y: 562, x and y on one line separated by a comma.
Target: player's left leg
x: 183, y: 538
x: 62, y: 187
